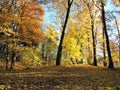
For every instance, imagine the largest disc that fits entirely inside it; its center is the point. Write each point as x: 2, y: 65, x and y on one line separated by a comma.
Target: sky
x: 49, y: 18
x: 48, y: 13
x: 110, y: 6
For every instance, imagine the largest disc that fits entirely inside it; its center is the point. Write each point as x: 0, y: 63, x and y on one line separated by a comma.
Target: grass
x: 82, y: 77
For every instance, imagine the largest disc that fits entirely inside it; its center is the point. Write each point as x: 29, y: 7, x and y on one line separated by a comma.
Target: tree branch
x: 96, y: 5
x: 70, y: 2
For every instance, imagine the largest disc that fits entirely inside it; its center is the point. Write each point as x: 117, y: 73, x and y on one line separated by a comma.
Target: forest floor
x: 82, y: 77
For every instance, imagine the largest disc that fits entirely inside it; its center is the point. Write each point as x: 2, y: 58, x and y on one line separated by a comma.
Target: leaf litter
x: 84, y: 77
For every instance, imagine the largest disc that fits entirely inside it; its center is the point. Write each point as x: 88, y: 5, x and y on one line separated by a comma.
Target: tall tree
x: 118, y: 31
x: 50, y: 44
x: 19, y: 24
x: 59, y: 53
x: 103, y: 47
x: 90, y: 6
x: 106, y: 34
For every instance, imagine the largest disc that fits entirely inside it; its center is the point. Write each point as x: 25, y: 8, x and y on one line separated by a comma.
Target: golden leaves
x: 51, y: 34
x: 26, y: 17
x: 34, y: 10
x: 116, y: 2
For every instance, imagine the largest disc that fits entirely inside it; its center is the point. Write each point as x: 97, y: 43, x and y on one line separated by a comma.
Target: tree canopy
x: 78, y: 31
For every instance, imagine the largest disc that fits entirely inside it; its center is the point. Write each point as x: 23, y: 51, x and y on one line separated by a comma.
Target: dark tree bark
x: 12, y: 60
x: 6, y: 59
x: 6, y: 52
x: 107, y: 37
x: 59, y: 53
x: 43, y: 50
x: 94, y: 44
x: 93, y: 35
x: 104, y: 53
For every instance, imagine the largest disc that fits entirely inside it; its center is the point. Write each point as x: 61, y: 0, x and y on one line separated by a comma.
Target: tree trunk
x: 94, y: 44
x: 59, y: 53
x: 107, y: 38
x: 6, y: 59
x: 104, y: 53
x: 93, y: 36
x: 89, y: 53
x: 118, y: 37
x: 12, y: 60
x: 6, y: 56
x: 43, y: 50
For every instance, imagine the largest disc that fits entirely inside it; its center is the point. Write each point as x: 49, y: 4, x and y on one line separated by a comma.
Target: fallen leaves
x: 61, y: 78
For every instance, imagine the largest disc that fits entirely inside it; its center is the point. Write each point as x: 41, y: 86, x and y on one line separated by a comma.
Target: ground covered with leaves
x: 83, y: 77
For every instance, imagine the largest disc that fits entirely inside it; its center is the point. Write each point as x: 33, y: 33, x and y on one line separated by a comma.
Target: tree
x: 117, y: 2
x: 49, y: 46
x: 31, y: 14
x: 59, y: 53
x: 76, y: 38
x: 90, y: 6
x: 19, y: 26
x: 71, y: 47
x: 103, y: 47
x: 107, y: 37
x: 118, y: 37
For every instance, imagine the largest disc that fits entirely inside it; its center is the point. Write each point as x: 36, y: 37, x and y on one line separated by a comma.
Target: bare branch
x: 96, y: 5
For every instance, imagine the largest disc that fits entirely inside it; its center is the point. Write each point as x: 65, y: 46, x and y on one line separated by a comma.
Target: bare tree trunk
x: 107, y: 37
x: 104, y: 53
x: 12, y: 60
x: 93, y: 35
x: 89, y: 53
x: 59, y: 53
x: 43, y: 50
x: 6, y: 59
x: 6, y: 56
x: 94, y: 44
x: 118, y: 37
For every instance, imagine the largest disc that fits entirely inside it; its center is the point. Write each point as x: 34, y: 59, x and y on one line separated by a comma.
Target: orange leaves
x: 34, y: 10
x: 51, y: 34
x: 31, y: 28
x: 27, y: 16
x: 117, y: 2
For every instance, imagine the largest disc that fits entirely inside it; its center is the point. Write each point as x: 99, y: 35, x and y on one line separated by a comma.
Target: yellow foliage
x: 70, y: 46
x: 51, y: 34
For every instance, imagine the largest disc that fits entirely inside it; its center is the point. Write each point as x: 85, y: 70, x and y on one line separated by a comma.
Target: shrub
x: 30, y: 57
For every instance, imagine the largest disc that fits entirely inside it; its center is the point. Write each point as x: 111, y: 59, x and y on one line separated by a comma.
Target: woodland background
x: 49, y: 32
x: 59, y: 44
